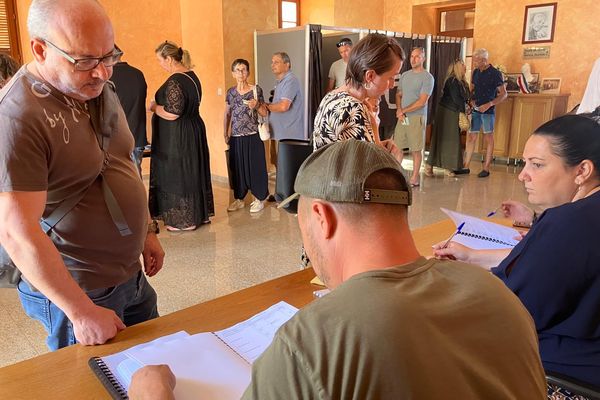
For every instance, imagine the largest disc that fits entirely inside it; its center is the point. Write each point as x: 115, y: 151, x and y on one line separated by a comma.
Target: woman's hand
x: 454, y: 251
x: 252, y: 103
x: 151, y: 106
x: 517, y: 211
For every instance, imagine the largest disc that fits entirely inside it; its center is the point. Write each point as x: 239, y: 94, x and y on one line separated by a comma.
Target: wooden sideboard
x: 518, y: 116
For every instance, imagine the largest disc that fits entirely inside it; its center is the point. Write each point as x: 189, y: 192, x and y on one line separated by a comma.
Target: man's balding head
x: 65, y: 30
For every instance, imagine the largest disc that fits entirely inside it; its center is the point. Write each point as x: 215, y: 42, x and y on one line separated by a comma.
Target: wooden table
x: 64, y: 374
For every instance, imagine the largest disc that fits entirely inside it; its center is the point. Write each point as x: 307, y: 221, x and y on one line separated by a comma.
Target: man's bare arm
x: 40, y: 263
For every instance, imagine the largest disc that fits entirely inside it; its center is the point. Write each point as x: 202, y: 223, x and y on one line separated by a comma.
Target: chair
x: 572, y: 385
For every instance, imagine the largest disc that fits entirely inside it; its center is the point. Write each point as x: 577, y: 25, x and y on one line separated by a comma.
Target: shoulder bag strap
x: 194, y: 82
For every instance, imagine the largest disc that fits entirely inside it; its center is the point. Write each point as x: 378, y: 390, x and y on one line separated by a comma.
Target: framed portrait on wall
x: 538, y: 26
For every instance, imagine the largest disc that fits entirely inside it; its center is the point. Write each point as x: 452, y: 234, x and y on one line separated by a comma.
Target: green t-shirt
x: 426, y: 330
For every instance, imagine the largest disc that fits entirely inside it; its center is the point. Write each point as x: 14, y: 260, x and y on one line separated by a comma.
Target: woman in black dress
x: 180, y: 186
x: 445, y: 150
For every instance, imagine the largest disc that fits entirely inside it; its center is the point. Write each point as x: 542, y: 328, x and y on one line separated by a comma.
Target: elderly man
x: 414, y: 89
x: 286, y: 107
x: 489, y: 89
x: 65, y: 149
x: 337, y: 71
x: 395, y: 325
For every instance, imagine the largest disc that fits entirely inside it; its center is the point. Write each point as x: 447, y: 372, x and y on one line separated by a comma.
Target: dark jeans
x: 136, y: 156
x: 134, y: 301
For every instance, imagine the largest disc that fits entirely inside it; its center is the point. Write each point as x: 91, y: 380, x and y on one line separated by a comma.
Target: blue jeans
x: 485, y: 121
x: 133, y: 301
x: 136, y: 156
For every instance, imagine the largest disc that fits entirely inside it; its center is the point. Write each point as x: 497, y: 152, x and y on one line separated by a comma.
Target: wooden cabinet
x: 518, y: 116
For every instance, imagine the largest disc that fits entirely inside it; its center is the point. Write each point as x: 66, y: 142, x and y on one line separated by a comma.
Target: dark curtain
x: 442, y: 54
x: 315, y: 77
x: 388, y: 115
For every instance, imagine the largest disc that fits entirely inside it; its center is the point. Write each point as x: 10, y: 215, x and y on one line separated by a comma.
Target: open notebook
x: 480, y: 234
x: 211, y: 365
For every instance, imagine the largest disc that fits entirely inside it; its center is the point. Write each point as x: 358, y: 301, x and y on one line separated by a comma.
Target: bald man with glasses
x: 73, y: 211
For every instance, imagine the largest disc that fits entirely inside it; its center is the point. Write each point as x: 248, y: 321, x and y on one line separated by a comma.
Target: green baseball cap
x: 337, y: 173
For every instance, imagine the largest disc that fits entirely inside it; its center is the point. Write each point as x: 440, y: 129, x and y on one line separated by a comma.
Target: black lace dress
x: 180, y: 186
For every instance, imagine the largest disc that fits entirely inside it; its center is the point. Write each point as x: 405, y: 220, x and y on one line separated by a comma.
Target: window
x: 9, y: 35
x: 458, y: 21
x: 289, y: 13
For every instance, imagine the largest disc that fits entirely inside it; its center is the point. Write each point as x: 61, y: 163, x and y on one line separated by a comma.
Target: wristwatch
x: 153, y: 227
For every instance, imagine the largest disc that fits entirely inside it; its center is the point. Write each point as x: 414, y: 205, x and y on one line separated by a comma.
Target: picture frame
x: 511, y: 82
x: 550, y: 85
x: 539, y: 22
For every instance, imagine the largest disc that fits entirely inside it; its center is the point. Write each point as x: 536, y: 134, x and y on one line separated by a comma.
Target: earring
x: 367, y: 85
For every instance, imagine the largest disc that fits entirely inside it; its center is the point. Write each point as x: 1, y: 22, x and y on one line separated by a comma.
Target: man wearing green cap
x: 396, y: 325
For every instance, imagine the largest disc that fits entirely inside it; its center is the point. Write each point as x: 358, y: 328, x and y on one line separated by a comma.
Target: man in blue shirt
x: 489, y: 89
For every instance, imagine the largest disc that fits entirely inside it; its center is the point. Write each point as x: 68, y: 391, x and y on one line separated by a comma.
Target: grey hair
x: 40, y: 12
x: 481, y: 53
x: 284, y: 56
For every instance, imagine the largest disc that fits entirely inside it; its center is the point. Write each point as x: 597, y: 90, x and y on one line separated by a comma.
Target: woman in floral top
x: 246, y: 150
x: 349, y: 112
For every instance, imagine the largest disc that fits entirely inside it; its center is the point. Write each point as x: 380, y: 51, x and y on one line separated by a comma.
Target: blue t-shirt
x: 485, y: 84
x: 289, y: 124
x: 555, y: 271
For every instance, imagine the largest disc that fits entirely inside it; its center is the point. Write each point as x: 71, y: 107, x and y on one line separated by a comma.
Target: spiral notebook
x: 480, y: 234
x: 211, y: 365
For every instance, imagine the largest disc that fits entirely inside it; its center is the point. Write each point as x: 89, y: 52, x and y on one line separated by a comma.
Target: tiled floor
x: 239, y: 249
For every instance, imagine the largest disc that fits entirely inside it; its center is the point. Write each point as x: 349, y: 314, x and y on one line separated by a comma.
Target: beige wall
x: 240, y: 20
x: 359, y: 13
x: 572, y: 53
x: 317, y: 12
x: 398, y: 15
x: 206, y: 48
x: 424, y: 20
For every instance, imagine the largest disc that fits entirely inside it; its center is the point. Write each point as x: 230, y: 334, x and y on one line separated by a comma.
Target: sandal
x: 429, y: 170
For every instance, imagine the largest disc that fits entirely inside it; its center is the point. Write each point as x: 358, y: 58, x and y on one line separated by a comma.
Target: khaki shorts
x: 411, y: 136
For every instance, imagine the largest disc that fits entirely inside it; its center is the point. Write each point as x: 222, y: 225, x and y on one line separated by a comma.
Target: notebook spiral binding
x: 232, y: 349
x: 489, y: 239
x: 107, y: 379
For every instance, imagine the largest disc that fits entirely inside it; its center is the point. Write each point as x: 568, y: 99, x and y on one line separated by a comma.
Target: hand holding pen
x: 454, y: 234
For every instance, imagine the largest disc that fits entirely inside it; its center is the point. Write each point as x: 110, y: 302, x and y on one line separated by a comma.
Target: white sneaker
x: 257, y: 206
x: 236, y: 205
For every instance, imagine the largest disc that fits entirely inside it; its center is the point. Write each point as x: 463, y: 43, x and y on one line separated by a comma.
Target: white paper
x: 250, y: 338
x: 123, y: 367
x: 480, y: 234
x: 204, y: 366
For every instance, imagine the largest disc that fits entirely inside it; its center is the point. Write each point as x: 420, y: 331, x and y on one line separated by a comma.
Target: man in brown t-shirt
x: 83, y: 280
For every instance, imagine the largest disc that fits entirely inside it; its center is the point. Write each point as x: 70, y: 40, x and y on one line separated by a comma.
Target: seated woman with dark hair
x: 555, y: 268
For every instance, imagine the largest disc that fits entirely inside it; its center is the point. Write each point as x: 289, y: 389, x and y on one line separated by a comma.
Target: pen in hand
x: 491, y: 214
x: 454, y: 234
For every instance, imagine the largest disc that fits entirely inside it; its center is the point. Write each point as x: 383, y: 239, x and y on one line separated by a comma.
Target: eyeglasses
x: 240, y: 71
x: 272, y: 93
x: 88, y: 64
x: 343, y: 43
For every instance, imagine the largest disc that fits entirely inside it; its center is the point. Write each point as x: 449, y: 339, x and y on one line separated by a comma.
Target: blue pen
x: 494, y: 212
x: 454, y: 234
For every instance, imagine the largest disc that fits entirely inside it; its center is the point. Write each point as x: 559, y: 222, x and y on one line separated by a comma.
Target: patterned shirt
x: 244, y: 121
x: 340, y: 117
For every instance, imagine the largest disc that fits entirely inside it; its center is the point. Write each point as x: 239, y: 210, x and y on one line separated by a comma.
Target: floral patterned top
x: 244, y: 121
x: 340, y: 117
